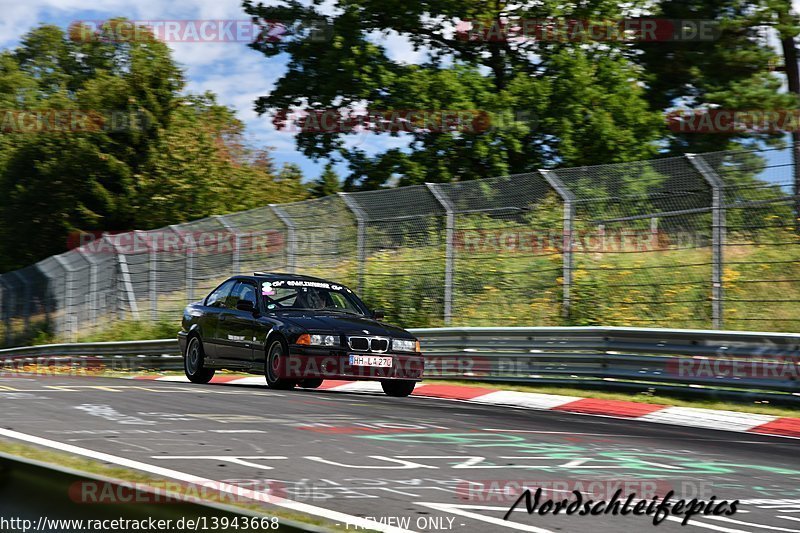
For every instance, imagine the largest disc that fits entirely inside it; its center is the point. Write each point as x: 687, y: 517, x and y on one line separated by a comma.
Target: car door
x: 235, y: 329
x: 212, y: 307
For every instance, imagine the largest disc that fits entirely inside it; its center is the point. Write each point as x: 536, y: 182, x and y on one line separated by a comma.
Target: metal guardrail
x: 161, y: 354
x: 699, y: 362
x: 30, y: 490
x: 704, y: 361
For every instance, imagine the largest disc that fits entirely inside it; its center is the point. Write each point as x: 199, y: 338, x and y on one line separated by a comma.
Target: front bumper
x: 311, y: 362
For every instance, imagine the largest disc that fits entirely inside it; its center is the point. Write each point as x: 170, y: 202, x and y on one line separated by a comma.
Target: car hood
x: 344, y: 324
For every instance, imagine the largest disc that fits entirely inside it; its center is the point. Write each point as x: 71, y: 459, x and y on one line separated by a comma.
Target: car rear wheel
x: 398, y: 388
x: 311, y: 383
x: 275, y: 363
x: 194, y: 361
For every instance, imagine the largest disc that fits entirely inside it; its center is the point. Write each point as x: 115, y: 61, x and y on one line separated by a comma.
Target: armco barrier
x: 705, y: 361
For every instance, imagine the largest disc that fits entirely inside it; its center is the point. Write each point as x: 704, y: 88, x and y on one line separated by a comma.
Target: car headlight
x: 324, y: 340
x: 405, y: 345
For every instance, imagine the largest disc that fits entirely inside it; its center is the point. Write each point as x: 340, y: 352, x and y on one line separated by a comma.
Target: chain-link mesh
x: 639, y: 227
x: 697, y: 241
x: 761, y: 265
x: 322, y: 238
x: 507, y: 256
x: 403, y: 243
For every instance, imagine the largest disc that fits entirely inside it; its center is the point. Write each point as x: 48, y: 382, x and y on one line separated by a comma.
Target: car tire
x: 398, y: 388
x: 194, y: 362
x: 311, y: 383
x: 272, y: 365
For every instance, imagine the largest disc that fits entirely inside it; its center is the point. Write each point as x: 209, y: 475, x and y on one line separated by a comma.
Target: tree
x: 134, y: 152
x: 547, y: 103
x: 326, y: 184
x: 290, y: 184
x: 734, y: 71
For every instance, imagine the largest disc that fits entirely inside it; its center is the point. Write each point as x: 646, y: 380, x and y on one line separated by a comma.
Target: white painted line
x: 250, y: 380
x: 790, y: 518
x: 531, y: 400
x: 461, y: 510
x: 359, y: 386
x: 336, y: 516
x: 707, y: 418
x: 713, y: 527
x: 180, y: 379
x: 760, y: 526
x: 562, y: 433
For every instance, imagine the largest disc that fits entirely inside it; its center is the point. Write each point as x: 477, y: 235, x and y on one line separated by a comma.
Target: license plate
x: 370, y: 360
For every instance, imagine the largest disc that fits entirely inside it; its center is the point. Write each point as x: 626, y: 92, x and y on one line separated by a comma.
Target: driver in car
x: 310, y: 298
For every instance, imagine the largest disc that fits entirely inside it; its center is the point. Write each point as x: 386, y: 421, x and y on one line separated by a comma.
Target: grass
x: 135, y: 331
x: 123, y: 474
x: 760, y: 407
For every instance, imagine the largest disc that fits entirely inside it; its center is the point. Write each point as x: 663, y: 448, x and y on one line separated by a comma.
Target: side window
x: 243, y: 291
x: 247, y: 291
x: 217, y: 298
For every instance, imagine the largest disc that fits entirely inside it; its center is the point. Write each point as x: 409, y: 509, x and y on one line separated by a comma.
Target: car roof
x: 281, y: 275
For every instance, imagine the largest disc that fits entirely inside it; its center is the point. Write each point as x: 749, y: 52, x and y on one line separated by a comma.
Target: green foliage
x: 548, y: 103
x: 132, y: 330
x: 327, y: 183
x: 735, y: 71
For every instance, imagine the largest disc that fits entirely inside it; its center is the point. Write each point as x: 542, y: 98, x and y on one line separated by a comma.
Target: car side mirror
x: 245, y: 305
x: 378, y: 314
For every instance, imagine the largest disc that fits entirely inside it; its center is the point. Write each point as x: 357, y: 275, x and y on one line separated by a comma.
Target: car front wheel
x: 398, y: 388
x: 276, y: 360
x: 194, y: 361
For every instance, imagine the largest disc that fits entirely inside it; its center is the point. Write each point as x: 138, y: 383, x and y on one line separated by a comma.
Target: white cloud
x: 398, y: 47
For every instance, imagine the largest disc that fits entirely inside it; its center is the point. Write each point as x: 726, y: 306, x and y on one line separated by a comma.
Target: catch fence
x: 700, y: 241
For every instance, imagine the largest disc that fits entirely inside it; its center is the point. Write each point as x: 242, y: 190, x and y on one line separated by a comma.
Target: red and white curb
x: 647, y: 412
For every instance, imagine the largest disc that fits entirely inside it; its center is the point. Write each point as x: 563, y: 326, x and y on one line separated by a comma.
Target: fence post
x: 291, y: 240
x: 569, y: 216
x: 449, y: 252
x: 70, y: 326
x: 235, y: 257
x: 717, y: 236
x: 125, y: 274
x: 92, y: 287
x: 5, y: 308
x: 152, y: 276
x: 188, y: 248
x: 361, y: 238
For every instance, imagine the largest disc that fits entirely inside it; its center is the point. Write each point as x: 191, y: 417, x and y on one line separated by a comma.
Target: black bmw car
x: 296, y: 330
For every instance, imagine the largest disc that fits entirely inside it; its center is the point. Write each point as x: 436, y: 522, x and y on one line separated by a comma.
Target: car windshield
x: 309, y: 295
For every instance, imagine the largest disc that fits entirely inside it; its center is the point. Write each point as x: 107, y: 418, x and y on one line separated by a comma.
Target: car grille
x: 369, y: 344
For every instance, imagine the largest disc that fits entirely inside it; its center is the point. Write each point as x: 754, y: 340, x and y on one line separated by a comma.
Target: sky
x: 234, y: 72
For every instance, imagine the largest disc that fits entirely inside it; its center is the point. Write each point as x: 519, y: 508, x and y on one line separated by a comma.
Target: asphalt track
x: 417, y: 463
